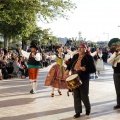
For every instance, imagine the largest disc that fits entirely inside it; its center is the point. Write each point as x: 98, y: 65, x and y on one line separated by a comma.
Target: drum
x: 73, y: 81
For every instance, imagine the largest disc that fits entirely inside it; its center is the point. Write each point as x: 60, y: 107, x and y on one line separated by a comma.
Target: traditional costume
x: 98, y: 61
x: 33, y: 65
x: 83, y: 65
x: 56, y: 76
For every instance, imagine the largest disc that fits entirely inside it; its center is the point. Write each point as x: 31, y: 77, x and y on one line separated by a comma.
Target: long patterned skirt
x: 56, y: 77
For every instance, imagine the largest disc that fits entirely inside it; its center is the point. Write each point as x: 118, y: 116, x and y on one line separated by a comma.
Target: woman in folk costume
x: 33, y: 63
x: 98, y: 60
x: 56, y: 76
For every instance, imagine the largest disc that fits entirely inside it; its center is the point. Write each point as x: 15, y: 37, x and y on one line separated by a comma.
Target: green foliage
x: 22, y: 14
x: 92, y: 44
x: 116, y: 44
x: 1, y: 44
x: 18, y: 17
x: 54, y: 40
x: 113, y: 41
x: 43, y: 36
x: 52, y: 9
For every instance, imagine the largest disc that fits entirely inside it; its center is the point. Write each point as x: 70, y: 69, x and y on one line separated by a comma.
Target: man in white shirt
x: 115, y: 61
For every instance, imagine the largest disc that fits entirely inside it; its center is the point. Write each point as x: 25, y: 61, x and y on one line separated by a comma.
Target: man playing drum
x: 82, y: 64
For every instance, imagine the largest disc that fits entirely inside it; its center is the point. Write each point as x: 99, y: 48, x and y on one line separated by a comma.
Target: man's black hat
x: 34, y: 44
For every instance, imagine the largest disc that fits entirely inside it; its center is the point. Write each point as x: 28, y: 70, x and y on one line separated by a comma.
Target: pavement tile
x: 16, y: 103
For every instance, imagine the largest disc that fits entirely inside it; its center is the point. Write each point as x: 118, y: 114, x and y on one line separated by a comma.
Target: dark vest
x: 32, y: 61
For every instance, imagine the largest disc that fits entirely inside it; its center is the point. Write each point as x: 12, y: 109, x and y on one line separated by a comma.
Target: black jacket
x: 32, y: 61
x: 86, y: 62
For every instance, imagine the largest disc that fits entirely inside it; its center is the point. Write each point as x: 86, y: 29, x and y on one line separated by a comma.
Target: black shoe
x: 77, y: 115
x: 87, y: 112
x: 31, y: 91
x: 116, y: 107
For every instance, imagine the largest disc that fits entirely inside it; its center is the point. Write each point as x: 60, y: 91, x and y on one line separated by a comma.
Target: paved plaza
x: 16, y: 103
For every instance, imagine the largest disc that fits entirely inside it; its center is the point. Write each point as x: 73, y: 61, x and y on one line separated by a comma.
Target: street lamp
x: 79, y: 33
x: 107, y: 36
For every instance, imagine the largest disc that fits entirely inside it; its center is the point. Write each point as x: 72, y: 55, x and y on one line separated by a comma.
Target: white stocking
x: 34, y: 86
x: 53, y: 89
x: 31, y: 82
x: 58, y: 89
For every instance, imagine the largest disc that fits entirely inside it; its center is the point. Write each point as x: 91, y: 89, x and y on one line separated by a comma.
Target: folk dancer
x: 97, y: 55
x: 33, y: 63
x: 56, y: 76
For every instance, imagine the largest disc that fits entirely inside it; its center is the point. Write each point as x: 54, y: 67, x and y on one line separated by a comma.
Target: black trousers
x: 81, y: 95
x: 116, y: 77
x: 5, y: 73
x: 22, y: 71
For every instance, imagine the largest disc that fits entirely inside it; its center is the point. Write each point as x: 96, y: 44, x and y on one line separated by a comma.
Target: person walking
x: 82, y: 64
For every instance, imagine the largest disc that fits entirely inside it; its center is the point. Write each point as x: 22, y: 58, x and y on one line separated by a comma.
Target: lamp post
x: 79, y: 34
x: 107, y: 36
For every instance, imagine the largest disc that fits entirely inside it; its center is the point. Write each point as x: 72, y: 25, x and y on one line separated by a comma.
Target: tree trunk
x: 24, y: 45
x: 5, y: 42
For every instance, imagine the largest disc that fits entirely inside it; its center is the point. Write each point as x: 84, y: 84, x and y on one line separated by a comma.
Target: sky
x: 97, y: 20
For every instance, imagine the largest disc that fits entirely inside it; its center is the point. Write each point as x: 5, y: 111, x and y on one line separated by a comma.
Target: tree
x: 18, y: 17
x: 43, y: 36
x: 53, y: 9
x: 92, y: 44
x: 116, y: 43
x: 113, y: 41
x: 54, y: 40
x: 1, y: 44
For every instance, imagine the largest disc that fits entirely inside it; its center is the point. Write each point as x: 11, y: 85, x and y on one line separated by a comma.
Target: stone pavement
x: 17, y: 104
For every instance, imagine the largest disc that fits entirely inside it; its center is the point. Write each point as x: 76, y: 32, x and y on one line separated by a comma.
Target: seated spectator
x: 17, y: 67
x: 5, y: 50
x: 13, y: 56
x: 0, y: 74
x: 18, y: 50
x: 0, y: 67
x: 4, y: 67
x: 23, y: 65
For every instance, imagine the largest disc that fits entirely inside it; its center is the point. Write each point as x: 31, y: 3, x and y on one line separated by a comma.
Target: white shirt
x: 67, y: 56
x: 38, y: 56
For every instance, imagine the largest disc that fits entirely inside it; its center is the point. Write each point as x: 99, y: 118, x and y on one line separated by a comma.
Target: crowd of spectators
x: 12, y: 63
